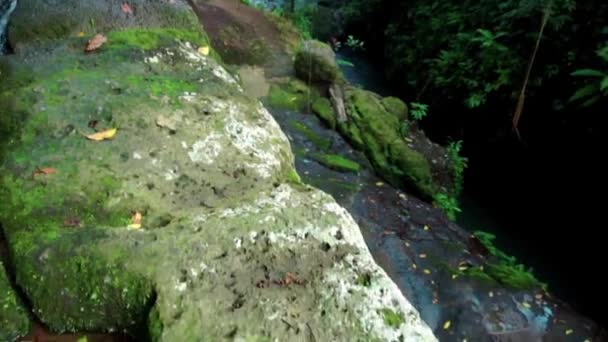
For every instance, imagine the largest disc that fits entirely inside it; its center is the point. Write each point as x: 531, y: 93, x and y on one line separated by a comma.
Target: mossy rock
x: 324, y: 110
x: 14, y: 319
x: 212, y: 175
x: 37, y: 21
x: 316, y: 62
x: 396, y: 107
x: 375, y: 130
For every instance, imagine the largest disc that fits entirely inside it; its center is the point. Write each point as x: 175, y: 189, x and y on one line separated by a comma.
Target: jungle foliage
x: 477, y: 53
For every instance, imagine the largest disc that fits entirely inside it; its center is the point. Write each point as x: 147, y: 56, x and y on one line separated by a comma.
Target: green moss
x: 364, y: 280
x: 14, y: 320
x: 376, y: 131
x: 321, y: 143
x: 336, y: 162
x: 322, y: 107
x: 82, y: 290
x: 293, y: 177
x: 391, y: 318
x: 150, y: 39
x: 504, y: 268
x: 155, y: 325
x: 396, y: 107
x: 282, y: 97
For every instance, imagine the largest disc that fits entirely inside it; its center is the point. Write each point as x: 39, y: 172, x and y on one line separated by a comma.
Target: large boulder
x: 316, y: 62
x: 231, y: 244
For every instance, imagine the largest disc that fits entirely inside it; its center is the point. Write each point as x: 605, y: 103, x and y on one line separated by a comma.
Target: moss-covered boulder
x: 396, y: 107
x: 41, y: 21
x: 14, y: 320
x: 230, y: 244
x: 375, y: 130
x: 316, y: 62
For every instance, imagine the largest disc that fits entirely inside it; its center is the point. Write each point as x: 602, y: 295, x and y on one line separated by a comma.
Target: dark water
x: 535, y: 196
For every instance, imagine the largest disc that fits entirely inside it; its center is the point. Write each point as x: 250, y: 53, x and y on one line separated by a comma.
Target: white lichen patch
x: 188, y: 96
x: 206, y: 150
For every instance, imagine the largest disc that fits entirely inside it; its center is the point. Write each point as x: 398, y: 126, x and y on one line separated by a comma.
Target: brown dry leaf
x: 136, y: 220
x: 126, y: 8
x: 95, y: 43
x: 44, y: 171
x: 105, y: 135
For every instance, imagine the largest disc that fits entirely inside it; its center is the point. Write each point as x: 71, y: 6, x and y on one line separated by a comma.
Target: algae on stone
x: 322, y: 107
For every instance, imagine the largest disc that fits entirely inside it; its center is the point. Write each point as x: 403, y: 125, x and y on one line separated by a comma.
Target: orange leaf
x: 44, y: 171
x: 126, y: 8
x: 99, y: 136
x: 136, y: 220
x: 95, y: 42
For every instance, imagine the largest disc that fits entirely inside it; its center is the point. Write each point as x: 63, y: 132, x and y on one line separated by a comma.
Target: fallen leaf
x: 446, y: 325
x: 491, y: 294
x: 204, y: 50
x: 95, y: 43
x: 126, y: 8
x: 526, y: 305
x: 454, y: 276
x: 426, y: 227
x: 105, y: 135
x: 402, y: 196
x: 422, y: 255
x: 569, y: 332
x: 463, y: 268
x: 44, y: 171
x: 379, y: 184
x: 414, y: 266
x: 427, y: 271
x: 136, y: 220
x: 80, y: 34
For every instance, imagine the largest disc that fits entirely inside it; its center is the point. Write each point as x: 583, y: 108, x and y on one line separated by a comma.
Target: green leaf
x: 585, y: 91
x: 588, y: 73
x: 604, y: 84
x: 591, y: 101
x: 345, y: 63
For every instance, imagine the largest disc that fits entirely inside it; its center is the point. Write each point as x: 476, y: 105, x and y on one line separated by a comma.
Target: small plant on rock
x: 418, y: 110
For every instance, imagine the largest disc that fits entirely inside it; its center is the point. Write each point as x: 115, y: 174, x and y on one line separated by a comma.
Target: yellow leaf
x: 99, y: 136
x: 426, y: 227
x: 204, y: 50
x: 80, y: 34
x: 427, y: 271
x: 463, y: 268
x: 446, y: 325
x: 136, y: 220
x: 569, y: 332
x: 526, y: 305
x: 379, y: 184
x: 414, y: 266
